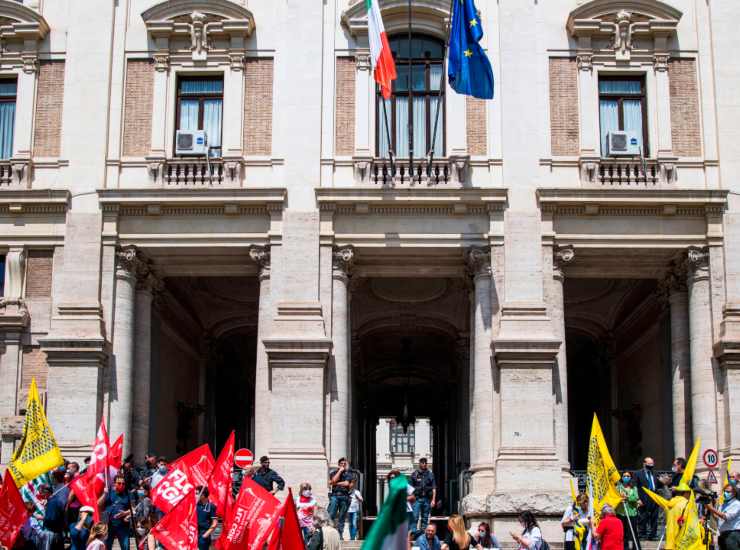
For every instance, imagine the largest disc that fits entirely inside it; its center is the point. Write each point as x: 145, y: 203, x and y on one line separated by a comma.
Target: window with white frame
x: 622, y: 108
x: 8, y: 91
x: 425, y: 63
x: 402, y: 442
x: 200, y: 102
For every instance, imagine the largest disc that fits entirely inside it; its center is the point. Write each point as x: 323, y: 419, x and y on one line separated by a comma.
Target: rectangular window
x: 200, y: 107
x: 8, y: 91
x: 402, y: 442
x: 622, y: 107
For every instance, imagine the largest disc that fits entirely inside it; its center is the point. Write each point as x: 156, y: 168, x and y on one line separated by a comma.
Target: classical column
x: 675, y: 292
x: 703, y: 395
x: 261, y: 256
x: 481, y: 406
x: 121, y: 368
x: 340, y: 381
x: 147, y: 284
x: 561, y: 256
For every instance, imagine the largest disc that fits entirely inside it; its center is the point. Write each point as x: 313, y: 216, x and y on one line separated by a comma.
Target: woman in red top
x: 609, y: 532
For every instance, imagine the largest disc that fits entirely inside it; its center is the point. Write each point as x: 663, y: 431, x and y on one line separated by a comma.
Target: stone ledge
x: 12, y: 426
x: 74, y: 352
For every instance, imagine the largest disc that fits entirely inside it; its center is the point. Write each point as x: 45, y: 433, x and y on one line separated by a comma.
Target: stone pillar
x: 481, y: 405
x: 261, y: 256
x: 663, y: 96
x: 675, y: 292
x: 340, y: 380
x: 703, y: 394
x: 159, y: 107
x: 231, y: 145
x: 143, y: 365
x: 561, y: 257
x: 364, y: 101
x: 121, y: 372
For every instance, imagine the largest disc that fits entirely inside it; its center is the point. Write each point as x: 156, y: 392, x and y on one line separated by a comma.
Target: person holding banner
x: 117, y: 505
x: 575, y: 516
x: 728, y: 518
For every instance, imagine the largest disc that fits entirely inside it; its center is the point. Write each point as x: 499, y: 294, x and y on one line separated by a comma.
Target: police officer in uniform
x: 425, y: 491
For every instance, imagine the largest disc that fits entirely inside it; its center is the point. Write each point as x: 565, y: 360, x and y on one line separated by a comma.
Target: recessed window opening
x: 200, y: 107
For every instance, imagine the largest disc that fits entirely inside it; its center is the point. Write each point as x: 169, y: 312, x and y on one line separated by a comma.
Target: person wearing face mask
x: 484, y: 539
x: 117, y: 506
x: 647, y: 516
x: 144, y: 506
x: 305, y: 505
x: 728, y: 517
x: 354, y: 512
x: 79, y: 532
x: 627, y: 510
x: 531, y: 536
x: 160, y: 473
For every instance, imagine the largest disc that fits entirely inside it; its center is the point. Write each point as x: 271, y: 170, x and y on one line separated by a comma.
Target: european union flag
x: 468, y: 68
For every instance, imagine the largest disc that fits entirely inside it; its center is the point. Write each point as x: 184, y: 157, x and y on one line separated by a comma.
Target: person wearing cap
x: 609, y: 532
x: 674, y: 514
x: 79, y: 532
x: 266, y: 478
x: 728, y: 518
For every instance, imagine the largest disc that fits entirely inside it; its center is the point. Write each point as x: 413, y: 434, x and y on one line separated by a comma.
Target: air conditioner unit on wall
x: 191, y: 142
x: 620, y: 144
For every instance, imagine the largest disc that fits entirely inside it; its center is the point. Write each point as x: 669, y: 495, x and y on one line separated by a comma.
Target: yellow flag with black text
x: 602, y: 473
x: 691, y: 534
x: 37, y: 452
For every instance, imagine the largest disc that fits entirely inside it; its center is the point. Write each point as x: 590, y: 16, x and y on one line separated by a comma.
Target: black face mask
x: 649, y: 467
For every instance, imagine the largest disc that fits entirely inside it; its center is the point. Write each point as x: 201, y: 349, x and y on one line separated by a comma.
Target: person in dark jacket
x: 266, y: 477
x: 647, y: 519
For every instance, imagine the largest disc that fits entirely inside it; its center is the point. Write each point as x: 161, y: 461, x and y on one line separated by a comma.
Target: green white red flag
x: 381, y: 57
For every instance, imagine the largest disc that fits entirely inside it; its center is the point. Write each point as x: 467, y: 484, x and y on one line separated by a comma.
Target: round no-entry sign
x: 243, y: 458
x: 710, y: 458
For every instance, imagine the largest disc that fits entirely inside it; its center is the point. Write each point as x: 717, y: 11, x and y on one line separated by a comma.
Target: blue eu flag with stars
x: 468, y: 68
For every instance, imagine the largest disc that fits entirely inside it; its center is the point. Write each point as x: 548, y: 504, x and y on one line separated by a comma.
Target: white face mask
x: 306, y: 493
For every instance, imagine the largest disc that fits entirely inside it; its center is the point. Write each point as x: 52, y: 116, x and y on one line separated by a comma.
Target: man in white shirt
x: 728, y: 519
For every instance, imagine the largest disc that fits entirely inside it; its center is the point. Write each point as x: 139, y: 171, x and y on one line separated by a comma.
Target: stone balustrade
x: 627, y: 172
x: 438, y: 172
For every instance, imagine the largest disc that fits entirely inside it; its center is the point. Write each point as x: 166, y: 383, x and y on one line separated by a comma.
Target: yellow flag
x: 659, y: 500
x: 688, y: 473
x: 37, y: 452
x: 573, y: 493
x: 725, y: 481
x: 602, y: 473
x: 691, y: 534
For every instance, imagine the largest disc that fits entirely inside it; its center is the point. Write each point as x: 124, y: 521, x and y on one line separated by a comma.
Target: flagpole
x: 439, y: 93
x: 388, y: 137
x: 410, y: 116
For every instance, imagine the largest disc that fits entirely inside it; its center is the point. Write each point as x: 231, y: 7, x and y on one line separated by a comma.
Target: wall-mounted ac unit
x: 625, y: 144
x: 191, y: 142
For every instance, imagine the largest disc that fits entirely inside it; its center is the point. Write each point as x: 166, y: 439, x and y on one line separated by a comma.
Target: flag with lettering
x: 250, y: 519
x: 83, y: 486
x: 179, y: 528
x: 200, y: 463
x: 602, y: 473
x: 13, y: 512
x: 173, y: 487
x: 286, y: 531
x: 219, y: 486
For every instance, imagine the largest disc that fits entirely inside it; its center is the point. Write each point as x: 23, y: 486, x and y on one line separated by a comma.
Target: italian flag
x: 384, y: 69
x: 390, y: 530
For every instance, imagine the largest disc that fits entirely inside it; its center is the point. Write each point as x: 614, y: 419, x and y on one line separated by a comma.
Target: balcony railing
x: 195, y: 172
x: 6, y: 173
x: 383, y: 171
x: 627, y: 172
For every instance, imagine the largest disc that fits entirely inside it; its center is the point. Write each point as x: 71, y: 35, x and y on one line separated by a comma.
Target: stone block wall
x: 137, y: 117
x: 258, y: 106
x: 564, y: 130
x: 47, y: 134
x: 685, y: 125
x: 345, y: 107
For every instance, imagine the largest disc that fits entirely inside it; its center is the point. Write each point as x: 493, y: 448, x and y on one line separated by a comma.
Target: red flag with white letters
x: 251, y: 518
x: 179, y: 528
x: 84, y: 490
x: 200, y: 463
x: 101, y: 452
x: 13, y: 512
x: 219, y: 486
x: 171, y: 489
x: 286, y: 531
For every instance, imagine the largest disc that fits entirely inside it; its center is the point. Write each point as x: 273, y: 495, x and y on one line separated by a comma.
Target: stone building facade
x: 296, y: 286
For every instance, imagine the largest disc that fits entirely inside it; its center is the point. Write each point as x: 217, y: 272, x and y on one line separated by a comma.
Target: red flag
x: 251, y: 519
x: 286, y: 531
x: 86, y: 493
x: 13, y: 512
x: 200, y: 462
x: 100, y: 454
x: 219, y: 486
x: 179, y: 528
x: 172, y: 488
x: 116, y: 454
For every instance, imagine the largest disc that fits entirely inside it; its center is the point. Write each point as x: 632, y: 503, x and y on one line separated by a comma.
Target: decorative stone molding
x: 697, y: 257
x: 342, y: 261
x: 624, y: 30
x: 198, y: 30
x: 261, y: 256
x: 15, y: 269
x: 562, y: 255
x: 478, y: 262
x: 362, y: 60
x: 429, y: 17
x: 21, y: 32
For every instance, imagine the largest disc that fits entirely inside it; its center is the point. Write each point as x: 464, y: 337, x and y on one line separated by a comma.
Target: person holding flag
x: 468, y: 68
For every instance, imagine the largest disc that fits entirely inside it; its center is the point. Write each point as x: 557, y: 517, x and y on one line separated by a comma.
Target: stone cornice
x: 632, y: 202
x: 429, y: 16
x: 21, y: 32
x: 14, y: 202
x: 192, y: 202
x: 374, y: 201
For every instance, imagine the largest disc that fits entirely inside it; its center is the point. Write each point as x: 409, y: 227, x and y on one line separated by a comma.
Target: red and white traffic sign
x: 710, y: 458
x: 243, y: 458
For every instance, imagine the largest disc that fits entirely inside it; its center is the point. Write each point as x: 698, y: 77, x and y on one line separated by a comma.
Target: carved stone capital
x: 261, y: 256
x: 130, y: 262
x: 237, y: 60
x: 478, y: 262
x: 561, y: 256
x: 162, y: 61
x: 697, y: 257
x: 362, y: 61
x: 584, y: 62
x: 342, y: 261
x: 675, y: 281
x: 30, y: 62
x: 660, y: 62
